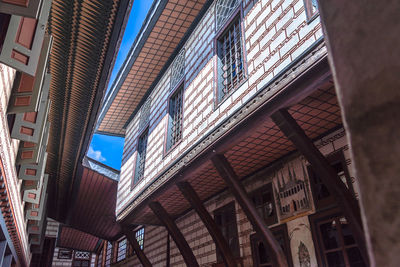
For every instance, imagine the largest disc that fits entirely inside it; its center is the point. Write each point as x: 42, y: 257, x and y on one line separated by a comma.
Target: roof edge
x: 147, y: 26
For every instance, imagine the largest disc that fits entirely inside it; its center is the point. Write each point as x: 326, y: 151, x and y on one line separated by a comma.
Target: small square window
x: 230, y: 59
x: 175, y: 118
x: 311, y: 7
x: 141, y: 156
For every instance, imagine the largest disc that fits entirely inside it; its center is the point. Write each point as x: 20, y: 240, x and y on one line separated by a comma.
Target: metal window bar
x: 140, y: 237
x: 121, y: 253
x: 176, y: 112
x: 141, y: 156
x: 108, y: 254
x: 232, y: 58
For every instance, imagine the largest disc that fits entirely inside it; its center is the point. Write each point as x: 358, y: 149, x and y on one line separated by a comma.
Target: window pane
x: 330, y: 235
x: 335, y: 259
x: 354, y: 257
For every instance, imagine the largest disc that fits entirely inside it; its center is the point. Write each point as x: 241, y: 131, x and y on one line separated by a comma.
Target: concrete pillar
x: 363, y: 39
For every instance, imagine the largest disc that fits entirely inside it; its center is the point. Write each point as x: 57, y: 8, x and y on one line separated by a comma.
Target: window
x: 100, y: 258
x: 263, y: 199
x: 141, y: 156
x: 311, y: 7
x: 145, y: 114
x: 108, y: 254
x: 322, y: 198
x: 175, y: 118
x: 230, y: 59
x: 64, y: 254
x: 81, y: 259
x: 261, y: 252
x: 178, y: 69
x: 140, y: 237
x: 121, y: 252
x: 336, y: 245
x: 225, y: 218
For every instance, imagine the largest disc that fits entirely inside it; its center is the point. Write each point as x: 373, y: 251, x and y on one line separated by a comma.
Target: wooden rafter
x: 232, y: 180
x: 288, y: 125
x: 175, y: 233
x: 192, y: 197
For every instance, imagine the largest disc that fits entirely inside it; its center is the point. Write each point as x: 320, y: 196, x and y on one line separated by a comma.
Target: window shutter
x: 26, y: 89
x: 38, y: 225
x: 25, y: 8
x: 35, y: 212
x: 29, y: 126
x: 33, y: 195
x: 23, y: 42
x: 32, y: 173
x: 30, y: 152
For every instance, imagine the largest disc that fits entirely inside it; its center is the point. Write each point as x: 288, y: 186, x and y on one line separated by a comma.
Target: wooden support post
x: 288, y: 125
x: 130, y: 235
x: 175, y: 233
x: 191, y: 196
x: 232, y: 180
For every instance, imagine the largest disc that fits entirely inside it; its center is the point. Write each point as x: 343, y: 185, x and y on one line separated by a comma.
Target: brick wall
x: 201, y: 242
x: 275, y: 34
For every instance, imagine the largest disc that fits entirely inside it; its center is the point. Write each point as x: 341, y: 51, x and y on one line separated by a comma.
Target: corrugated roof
x: 86, y: 34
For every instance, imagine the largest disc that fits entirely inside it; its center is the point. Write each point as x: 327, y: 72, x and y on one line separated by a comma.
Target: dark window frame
x: 257, y: 194
x: 223, y: 225
x: 255, y: 239
x: 328, y: 202
x: 137, y: 177
x: 308, y: 9
x: 315, y: 221
x: 236, y: 15
x: 122, y: 251
x: 66, y: 251
x: 109, y: 254
x: 179, y: 89
x: 142, y: 235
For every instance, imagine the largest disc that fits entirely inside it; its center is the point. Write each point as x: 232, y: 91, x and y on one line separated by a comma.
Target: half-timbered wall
x: 275, y: 33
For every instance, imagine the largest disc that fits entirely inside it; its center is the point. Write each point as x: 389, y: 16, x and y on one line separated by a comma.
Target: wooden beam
x: 130, y: 235
x: 219, y: 240
x: 175, y: 233
x: 232, y: 180
x: 299, y: 88
x: 288, y: 125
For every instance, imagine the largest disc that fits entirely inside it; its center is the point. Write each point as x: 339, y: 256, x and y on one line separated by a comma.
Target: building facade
x: 204, y: 105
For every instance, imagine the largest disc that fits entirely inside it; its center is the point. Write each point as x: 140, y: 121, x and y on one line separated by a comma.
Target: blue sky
x: 108, y: 149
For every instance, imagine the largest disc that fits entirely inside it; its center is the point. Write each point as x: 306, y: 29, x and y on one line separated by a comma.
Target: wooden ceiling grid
x: 165, y: 36
x: 82, y: 31
x: 317, y: 114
